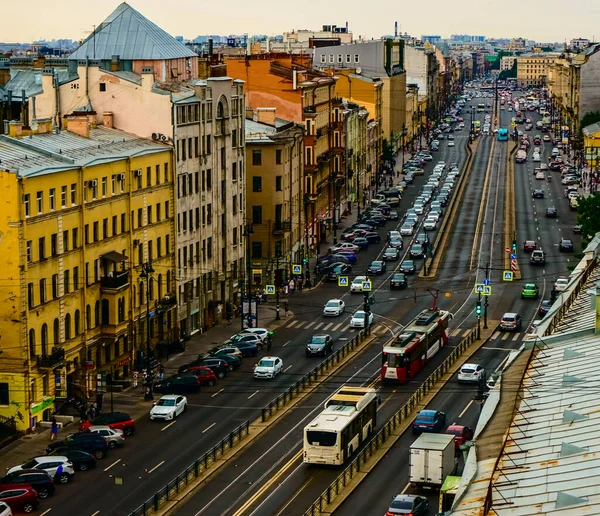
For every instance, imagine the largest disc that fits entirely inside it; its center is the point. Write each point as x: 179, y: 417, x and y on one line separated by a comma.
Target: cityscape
x: 305, y: 272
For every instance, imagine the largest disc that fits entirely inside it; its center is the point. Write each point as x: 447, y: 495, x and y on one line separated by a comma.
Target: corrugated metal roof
x: 31, y: 81
x: 47, y: 153
x: 592, y: 129
x: 131, y: 36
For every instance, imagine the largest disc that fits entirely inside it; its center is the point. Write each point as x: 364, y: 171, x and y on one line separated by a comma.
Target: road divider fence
x: 194, y: 470
x: 319, y: 506
x: 311, y: 377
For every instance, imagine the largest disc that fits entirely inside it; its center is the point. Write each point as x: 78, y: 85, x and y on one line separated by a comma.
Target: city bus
x: 480, y: 108
x: 476, y: 126
x: 348, y: 418
x: 502, y: 134
x: 420, y: 340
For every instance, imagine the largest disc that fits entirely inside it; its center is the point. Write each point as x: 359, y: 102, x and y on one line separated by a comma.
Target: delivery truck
x: 432, y: 459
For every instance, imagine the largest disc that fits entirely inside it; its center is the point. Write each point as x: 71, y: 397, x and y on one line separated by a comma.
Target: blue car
x: 348, y: 254
x: 429, y: 421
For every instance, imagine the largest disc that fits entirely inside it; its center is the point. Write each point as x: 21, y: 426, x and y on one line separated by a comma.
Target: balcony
x: 281, y: 227
x: 115, y: 280
x: 167, y: 302
x: 222, y: 127
x: 52, y: 361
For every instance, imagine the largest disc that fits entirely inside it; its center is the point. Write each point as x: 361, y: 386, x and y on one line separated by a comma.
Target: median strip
x: 510, y: 223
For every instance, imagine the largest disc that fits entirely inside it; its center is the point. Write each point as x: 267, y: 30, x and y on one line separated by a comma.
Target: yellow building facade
x: 534, y: 69
x: 591, y: 145
x: 83, y: 210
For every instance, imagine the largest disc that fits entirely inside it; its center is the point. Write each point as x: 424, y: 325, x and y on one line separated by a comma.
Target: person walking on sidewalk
x: 286, y: 307
x: 53, y: 430
x: 292, y: 286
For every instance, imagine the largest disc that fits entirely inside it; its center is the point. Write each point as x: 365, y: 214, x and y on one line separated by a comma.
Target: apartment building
x: 533, y: 69
x: 85, y: 209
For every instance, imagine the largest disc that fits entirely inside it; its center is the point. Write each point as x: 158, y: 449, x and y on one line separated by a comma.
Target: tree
x: 508, y: 74
x: 387, y: 156
x: 588, y: 216
x: 590, y: 118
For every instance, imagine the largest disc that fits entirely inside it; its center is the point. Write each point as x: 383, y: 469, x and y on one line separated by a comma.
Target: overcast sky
x: 549, y: 20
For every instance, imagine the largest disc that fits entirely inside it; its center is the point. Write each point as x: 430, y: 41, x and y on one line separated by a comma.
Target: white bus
x: 349, y: 417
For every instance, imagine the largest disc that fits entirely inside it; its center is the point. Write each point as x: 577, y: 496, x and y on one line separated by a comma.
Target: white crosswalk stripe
x: 327, y: 326
x: 337, y: 326
x: 516, y: 336
x: 495, y: 335
x: 301, y: 324
x: 291, y: 324
x: 456, y: 332
x: 310, y: 324
x: 505, y: 336
x: 318, y: 325
x: 376, y: 329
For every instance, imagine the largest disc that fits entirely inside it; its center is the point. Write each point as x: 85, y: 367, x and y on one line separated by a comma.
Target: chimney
x: 147, y: 78
x: 15, y: 128
x: 249, y: 113
x: 210, y: 47
x: 79, y: 125
x: 266, y: 116
x: 108, y: 119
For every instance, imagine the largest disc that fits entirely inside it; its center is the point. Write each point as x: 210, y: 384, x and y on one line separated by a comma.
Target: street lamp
x: 146, y: 271
x: 306, y: 267
x: 248, y: 230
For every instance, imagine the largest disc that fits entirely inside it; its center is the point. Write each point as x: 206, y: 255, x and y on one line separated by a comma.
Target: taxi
x: 530, y: 290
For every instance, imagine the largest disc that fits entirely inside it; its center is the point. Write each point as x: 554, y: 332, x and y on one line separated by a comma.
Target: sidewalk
x: 132, y: 400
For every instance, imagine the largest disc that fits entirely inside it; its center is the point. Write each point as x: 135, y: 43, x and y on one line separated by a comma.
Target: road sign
x: 296, y: 269
x: 487, y: 290
x: 342, y: 281
x: 270, y: 289
x: 507, y: 249
x: 366, y: 286
x: 513, y: 256
x: 486, y: 282
x: 507, y: 276
x: 478, y: 289
x: 513, y: 265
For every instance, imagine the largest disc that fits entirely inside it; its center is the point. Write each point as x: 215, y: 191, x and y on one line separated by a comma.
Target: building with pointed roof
x: 126, y: 40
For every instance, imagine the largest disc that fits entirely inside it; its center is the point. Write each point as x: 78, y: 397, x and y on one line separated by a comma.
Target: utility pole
x: 277, y: 287
x: 367, y: 310
x: 478, y: 312
x: 485, y: 306
x: 307, y: 283
x: 146, y: 271
x: 248, y: 230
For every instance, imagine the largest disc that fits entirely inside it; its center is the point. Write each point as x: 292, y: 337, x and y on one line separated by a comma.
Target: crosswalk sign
x: 270, y: 289
x: 296, y: 269
x: 507, y: 276
x: 342, y: 281
x: 487, y: 290
x: 478, y: 289
x: 366, y: 286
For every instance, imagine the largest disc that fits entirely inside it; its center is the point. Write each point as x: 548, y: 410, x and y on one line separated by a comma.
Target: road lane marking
x: 515, y: 337
x: 286, y: 343
x: 220, y: 390
x: 48, y: 510
x: 405, y: 488
x: 302, y: 487
x: 317, y: 326
x: 285, y: 370
x: 465, y: 409
x: 342, y: 338
x: 301, y: 324
x: 253, y: 394
x: 327, y: 326
x: 310, y: 324
x: 113, y: 464
x: 496, y: 349
x: 337, y: 326
x: 209, y: 427
x: 157, y: 466
x: 292, y: 324
x: 165, y: 427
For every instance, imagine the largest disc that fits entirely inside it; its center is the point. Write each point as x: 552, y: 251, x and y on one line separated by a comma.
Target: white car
x: 540, y: 175
x: 407, y: 229
x: 470, y: 373
x: 358, y: 319
x: 418, y: 207
x: 268, y: 367
x: 357, y: 284
x: 58, y: 467
x: 5, y: 510
x: 561, y: 284
x: 430, y: 224
x: 334, y: 307
x: 168, y: 407
x: 346, y: 246
x: 451, y: 143
x: 536, y: 157
x: 261, y: 333
x: 434, y: 214
x: 231, y: 350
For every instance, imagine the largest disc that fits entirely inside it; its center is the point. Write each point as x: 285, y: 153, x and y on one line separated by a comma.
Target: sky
x: 548, y: 21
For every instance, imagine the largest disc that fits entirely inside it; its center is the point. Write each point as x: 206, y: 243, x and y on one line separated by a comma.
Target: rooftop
x: 47, y: 153
x: 131, y: 36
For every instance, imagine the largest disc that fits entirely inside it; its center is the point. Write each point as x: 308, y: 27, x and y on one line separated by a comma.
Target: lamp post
x: 147, y: 270
x: 248, y: 230
x: 307, y: 283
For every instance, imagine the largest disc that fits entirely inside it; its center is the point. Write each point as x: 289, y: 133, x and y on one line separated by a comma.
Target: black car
x: 391, y: 254
x: 398, y: 281
x: 565, y: 246
x: 319, y: 345
x: 217, y: 365
x: 416, y: 251
x: 545, y: 306
x: 373, y: 237
x: 82, y: 461
x: 538, y: 194
x: 407, y: 267
x: 39, y: 480
x: 178, y: 384
x: 376, y: 220
x: 84, y: 441
x: 338, y: 269
x: 422, y: 238
x: 551, y: 213
x: 376, y: 267
x: 361, y: 242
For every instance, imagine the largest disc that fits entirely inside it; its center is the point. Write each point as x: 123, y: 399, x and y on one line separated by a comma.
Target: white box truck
x: 432, y: 459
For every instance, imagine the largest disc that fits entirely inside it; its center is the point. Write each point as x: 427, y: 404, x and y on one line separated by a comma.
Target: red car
x: 117, y: 420
x: 461, y: 434
x: 204, y: 374
x: 19, y: 497
x: 529, y: 246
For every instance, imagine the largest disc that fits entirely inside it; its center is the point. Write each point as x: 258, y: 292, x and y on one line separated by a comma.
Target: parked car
x: 113, y: 437
x: 58, y: 467
x: 245, y: 341
x: 178, y: 384
x: 168, y: 407
x: 228, y: 351
x: 20, y: 497
x: 204, y: 375
x: 219, y: 366
x: 338, y: 269
x: 545, y: 306
x: 429, y: 421
x: 82, y: 461
x: 117, y: 420
x: 321, y: 344
x: 85, y: 441
x: 39, y: 480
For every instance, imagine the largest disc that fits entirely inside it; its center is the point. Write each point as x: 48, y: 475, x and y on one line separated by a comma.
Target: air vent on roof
x: 426, y: 318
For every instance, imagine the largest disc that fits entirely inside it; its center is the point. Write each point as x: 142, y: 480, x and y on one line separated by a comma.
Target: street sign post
x: 513, y: 256
x: 486, y: 282
x: 342, y: 281
x: 270, y: 289
x: 487, y: 290
x: 296, y: 269
x: 478, y: 288
x: 366, y: 286
x: 507, y: 276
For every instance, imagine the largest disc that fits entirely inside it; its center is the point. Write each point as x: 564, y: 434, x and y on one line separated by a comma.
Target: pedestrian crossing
x: 342, y: 326
x: 497, y: 335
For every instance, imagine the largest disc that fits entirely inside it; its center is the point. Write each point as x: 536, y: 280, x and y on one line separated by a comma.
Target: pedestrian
x: 299, y: 284
x: 93, y: 412
x: 161, y: 373
x: 53, y: 430
x: 292, y: 286
x: 136, y: 375
x: 286, y: 307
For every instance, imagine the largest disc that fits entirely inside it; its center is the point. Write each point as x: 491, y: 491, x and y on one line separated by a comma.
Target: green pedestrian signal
x: 514, y: 246
x: 478, y: 308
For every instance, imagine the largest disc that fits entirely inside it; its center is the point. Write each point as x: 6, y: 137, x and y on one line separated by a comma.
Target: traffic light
x: 478, y: 308
x: 304, y: 261
x: 514, y: 246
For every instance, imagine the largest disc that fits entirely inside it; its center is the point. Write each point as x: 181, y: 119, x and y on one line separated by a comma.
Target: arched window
x: 77, y: 323
x: 32, y: 349
x: 44, y: 340
x: 160, y: 292
x: 168, y: 282
x: 68, y: 327
x: 56, y: 332
x: 105, y: 310
x: 97, y: 313
x: 88, y: 317
x: 222, y: 109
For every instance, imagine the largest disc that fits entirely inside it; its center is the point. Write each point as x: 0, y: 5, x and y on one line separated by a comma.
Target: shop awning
x: 114, y: 256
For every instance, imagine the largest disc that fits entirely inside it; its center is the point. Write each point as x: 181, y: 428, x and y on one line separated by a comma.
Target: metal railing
x: 309, y: 378
x: 194, y: 470
x: 405, y: 412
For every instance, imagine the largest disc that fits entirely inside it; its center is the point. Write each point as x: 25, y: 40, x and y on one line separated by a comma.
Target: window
x: 209, y: 214
x: 234, y: 204
x: 148, y: 177
x: 77, y: 322
x: 75, y: 237
x: 68, y: 327
x: 208, y: 144
x: 105, y: 228
x: 63, y: 196
x: 123, y: 223
x: 183, y: 186
x: 65, y: 241
x: 96, y: 232
x: 29, y: 251
x: 4, y: 394
x: 138, y: 175
x: 67, y: 275
x: 348, y: 58
x: 185, y: 220
x: 235, y: 237
x: 331, y: 58
x: 167, y: 244
x: 140, y: 217
x: 42, y: 290
x: 75, y: 278
x: 86, y: 231
x: 42, y: 248
x: 356, y: 58
x: 256, y: 249
x: 30, y: 295
x: 96, y: 271
x: 209, y: 179
x: 256, y: 157
x: 339, y: 58
x: 53, y: 244
x: 234, y: 138
x: 183, y: 153
x: 196, y: 140
x: 102, y: 86
x: 54, y: 286
x: 234, y: 171
x: 209, y: 247
x: 190, y: 148
x: 256, y: 183
x: 115, y: 227
x: 322, y: 58
x: 74, y: 194
x: 166, y: 172
x: 197, y: 217
x: 40, y: 202
x: 157, y: 174
x: 104, y: 186
x: 278, y: 183
x: 196, y: 182
x: 52, y: 198
x: 190, y: 184
x: 278, y: 157
x: 158, y: 247
x: 149, y: 214
x: 26, y: 203
x: 256, y: 214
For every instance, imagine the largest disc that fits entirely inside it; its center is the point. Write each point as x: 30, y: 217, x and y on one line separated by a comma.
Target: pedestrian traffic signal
x: 304, y: 261
x: 514, y: 246
x: 478, y: 308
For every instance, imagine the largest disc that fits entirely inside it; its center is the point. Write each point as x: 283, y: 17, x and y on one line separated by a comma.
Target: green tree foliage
x: 509, y: 74
x: 588, y: 216
x: 590, y: 118
x: 388, y: 155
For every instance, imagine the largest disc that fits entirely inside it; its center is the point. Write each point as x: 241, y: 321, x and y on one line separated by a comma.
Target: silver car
x: 114, y: 437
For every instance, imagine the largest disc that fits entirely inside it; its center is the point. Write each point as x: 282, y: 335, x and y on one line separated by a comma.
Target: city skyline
x: 493, y: 21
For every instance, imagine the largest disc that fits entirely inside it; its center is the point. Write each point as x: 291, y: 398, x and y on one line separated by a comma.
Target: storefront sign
x: 48, y: 402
